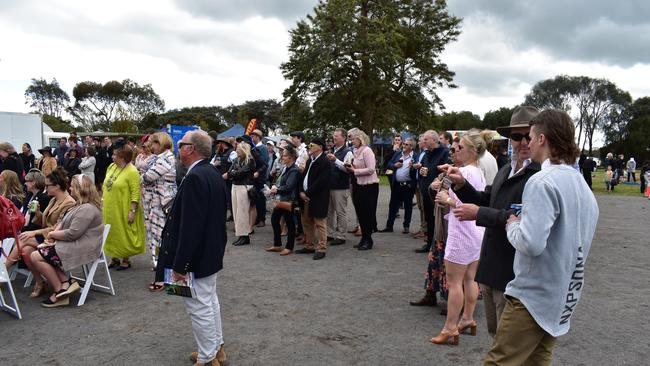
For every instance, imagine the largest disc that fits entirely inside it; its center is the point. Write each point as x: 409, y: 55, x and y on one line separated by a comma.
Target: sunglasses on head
x: 520, y: 136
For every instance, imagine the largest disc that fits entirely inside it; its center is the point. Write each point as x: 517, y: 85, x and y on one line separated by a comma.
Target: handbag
x: 284, y: 205
x: 252, y: 193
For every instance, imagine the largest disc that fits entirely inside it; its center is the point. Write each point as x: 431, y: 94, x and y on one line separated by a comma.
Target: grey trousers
x: 337, y: 222
x: 205, y: 314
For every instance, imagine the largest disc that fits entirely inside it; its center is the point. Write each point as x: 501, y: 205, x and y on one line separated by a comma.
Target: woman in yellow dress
x: 122, y: 209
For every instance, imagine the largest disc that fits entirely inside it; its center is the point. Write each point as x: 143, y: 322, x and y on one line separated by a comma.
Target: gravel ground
x: 349, y: 309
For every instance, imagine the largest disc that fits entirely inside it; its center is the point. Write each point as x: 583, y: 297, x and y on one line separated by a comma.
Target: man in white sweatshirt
x: 552, y: 236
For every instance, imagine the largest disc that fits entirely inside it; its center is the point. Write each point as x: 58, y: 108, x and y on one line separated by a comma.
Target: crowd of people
x: 476, y: 208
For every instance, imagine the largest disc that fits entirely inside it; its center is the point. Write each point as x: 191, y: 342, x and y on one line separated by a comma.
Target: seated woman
x: 77, y: 240
x: 11, y: 188
x: 36, y: 198
x: 56, y: 185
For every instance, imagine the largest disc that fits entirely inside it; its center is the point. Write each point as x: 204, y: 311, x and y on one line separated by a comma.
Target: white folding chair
x: 15, y: 270
x: 12, y: 308
x: 90, y: 270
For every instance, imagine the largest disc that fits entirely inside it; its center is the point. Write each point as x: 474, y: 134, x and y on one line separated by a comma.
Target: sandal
x: 73, y: 286
x: 48, y: 303
x: 156, y: 287
x: 114, y: 263
x: 38, y: 290
x: 124, y: 266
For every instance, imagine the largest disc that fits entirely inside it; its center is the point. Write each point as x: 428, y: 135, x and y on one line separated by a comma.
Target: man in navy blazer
x: 194, y: 240
x: 403, y: 185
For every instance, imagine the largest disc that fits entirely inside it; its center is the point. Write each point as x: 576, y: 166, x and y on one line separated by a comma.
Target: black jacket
x: 241, y: 173
x: 14, y: 163
x: 288, y: 184
x: 318, y: 185
x: 71, y: 165
x: 497, y: 254
x: 431, y: 160
x: 194, y: 236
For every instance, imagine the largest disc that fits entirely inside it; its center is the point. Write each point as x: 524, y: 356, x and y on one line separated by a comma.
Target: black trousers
x: 276, y: 215
x: 260, y: 203
x: 364, y: 199
x: 428, y: 215
x: 401, y: 195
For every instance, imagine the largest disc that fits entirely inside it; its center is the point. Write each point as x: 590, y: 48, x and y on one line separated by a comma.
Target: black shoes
x: 425, y: 249
x: 386, y: 230
x: 243, y: 240
x: 337, y: 242
x: 306, y: 251
x: 365, y: 245
x: 319, y: 255
x: 405, y: 230
x: 428, y: 300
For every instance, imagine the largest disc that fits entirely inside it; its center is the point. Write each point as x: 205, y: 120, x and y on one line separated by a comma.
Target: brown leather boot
x: 429, y: 299
x: 221, y: 356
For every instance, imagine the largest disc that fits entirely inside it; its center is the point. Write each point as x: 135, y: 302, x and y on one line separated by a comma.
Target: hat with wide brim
x: 521, y: 117
x: 45, y: 149
x: 226, y: 140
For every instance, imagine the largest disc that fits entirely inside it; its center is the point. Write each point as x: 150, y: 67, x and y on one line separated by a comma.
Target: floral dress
x: 160, y: 180
x: 435, y: 277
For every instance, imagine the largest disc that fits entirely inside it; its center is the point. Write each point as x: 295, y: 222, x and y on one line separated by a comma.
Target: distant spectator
x: 47, y: 163
x: 88, y: 162
x: 9, y: 160
x: 631, y: 167
x: 609, y: 179
x: 27, y: 157
x: 71, y: 163
x: 11, y: 188
x: 645, y: 171
x: 59, y: 152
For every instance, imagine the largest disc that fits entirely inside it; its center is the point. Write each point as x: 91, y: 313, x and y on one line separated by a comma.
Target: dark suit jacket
x: 318, y: 185
x: 497, y: 254
x: 194, y: 237
x: 391, y: 165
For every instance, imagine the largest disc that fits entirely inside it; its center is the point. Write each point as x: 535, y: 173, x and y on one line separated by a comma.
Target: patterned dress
x: 160, y: 180
x: 436, y: 279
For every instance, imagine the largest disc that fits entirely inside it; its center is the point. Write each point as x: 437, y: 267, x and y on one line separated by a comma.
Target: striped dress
x: 464, y: 238
x: 160, y: 180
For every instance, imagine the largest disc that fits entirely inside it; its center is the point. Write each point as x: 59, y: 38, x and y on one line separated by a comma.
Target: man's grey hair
x: 202, y: 143
x: 432, y: 134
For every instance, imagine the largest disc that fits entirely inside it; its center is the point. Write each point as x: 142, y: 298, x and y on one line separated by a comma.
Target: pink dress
x: 464, y: 238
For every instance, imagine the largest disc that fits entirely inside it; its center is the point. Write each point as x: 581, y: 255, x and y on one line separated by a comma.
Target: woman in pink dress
x: 463, y: 247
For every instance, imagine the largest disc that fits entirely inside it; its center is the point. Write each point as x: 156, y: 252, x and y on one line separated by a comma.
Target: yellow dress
x: 124, y: 239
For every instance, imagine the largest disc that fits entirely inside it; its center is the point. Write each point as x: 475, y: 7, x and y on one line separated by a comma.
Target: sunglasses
x: 520, y: 136
x: 181, y: 144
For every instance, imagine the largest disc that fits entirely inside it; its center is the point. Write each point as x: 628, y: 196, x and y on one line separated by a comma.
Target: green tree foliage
x: 370, y: 63
x: 124, y: 126
x: 58, y: 124
x: 97, y: 106
x: 451, y: 121
x: 210, y: 118
x: 497, y: 118
x: 595, y: 104
x: 634, y: 138
x: 46, y: 98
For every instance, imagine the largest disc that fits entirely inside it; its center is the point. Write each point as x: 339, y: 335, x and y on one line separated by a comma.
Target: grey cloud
x: 612, y: 32
x: 287, y: 10
x: 492, y: 80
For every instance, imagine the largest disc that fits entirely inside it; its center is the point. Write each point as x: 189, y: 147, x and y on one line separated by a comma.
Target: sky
x: 221, y: 52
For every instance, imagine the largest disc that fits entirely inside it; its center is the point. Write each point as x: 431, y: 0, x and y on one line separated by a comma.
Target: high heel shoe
x: 471, y: 326
x: 445, y: 336
x: 38, y: 290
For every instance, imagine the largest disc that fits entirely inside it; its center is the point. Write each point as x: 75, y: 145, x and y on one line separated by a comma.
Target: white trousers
x: 206, y: 318
x: 240, y: 207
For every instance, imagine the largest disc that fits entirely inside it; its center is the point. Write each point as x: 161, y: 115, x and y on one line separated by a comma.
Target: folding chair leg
x: 28, y: 281
x: 108, y: 275
x: 13, y: 310
x: 90, y: 279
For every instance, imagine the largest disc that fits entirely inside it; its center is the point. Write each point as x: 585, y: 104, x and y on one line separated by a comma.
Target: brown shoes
x: 274, y: 249
x: 39, y: 290
x: 221, y: 357
x: 446, y: 336
x: 420, y: 234
x: 286, y: 252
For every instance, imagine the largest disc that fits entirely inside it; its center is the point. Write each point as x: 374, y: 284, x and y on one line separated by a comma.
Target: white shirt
x: 347, y: 158
x: 304, y: 182
x: 513, y: 164
x: 403, y: 174
x: 302, y: 156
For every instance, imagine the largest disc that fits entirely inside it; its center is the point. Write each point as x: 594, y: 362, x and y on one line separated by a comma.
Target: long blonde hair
x: 245, y: 149
x: 11, y: 186
x: 85, y: 191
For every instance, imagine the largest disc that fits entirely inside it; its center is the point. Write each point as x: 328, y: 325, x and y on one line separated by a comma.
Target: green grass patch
x: 598, y: 185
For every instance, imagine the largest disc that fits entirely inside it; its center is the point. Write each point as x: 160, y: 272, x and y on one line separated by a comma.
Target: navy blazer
x: 194, y: 236
x: 391, y: 165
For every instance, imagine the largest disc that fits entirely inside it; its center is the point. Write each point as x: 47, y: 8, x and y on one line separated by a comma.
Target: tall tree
x: 452, y: 121
x: 593, y: 103
x: 98, y: 106
x: 371, y: 63
x: 497, y: 118
x: 46, y: 97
